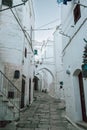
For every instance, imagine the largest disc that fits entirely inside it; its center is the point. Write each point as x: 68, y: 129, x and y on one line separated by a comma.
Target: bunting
x: 63, y: 1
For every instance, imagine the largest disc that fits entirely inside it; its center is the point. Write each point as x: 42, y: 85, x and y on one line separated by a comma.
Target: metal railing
x: 71, y: 125
x: 10, y: 93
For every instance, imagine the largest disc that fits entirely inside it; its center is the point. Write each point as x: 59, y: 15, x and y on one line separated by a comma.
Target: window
x: 25, y: 52
x: 16, y: 74
x: 10, y: 94
x: 7, y: 2
x: 77, y: 13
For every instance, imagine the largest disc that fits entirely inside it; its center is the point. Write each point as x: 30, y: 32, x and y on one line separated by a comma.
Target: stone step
x: 82, y: 124
x: 9, y: 114
x: 10, y: 105
x: 5, y: 100
x: 1, y: 95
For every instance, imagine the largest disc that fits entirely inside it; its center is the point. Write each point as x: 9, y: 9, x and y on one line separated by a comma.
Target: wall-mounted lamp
x: 68, y: 72
x: 72, y: 26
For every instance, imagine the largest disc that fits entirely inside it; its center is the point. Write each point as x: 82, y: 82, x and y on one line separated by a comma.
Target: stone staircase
x: 9, y: 100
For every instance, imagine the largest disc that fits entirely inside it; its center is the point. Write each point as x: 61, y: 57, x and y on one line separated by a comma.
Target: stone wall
x: 9, y: 70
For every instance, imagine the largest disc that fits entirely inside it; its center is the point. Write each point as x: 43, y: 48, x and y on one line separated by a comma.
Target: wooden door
x: 82, y: 97
x: 29, y: 91
x: 22, y: 93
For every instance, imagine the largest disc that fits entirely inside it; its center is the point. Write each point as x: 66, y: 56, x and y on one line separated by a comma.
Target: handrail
x: 9, y: 100
x: 74, y: 34
x: 9, y: 81
x: 72, y: 123
x: 6, y: 86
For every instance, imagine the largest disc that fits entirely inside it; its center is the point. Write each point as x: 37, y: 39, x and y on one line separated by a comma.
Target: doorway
x: 22, y: 93
x: 82, y: 97
x: 29, y: 90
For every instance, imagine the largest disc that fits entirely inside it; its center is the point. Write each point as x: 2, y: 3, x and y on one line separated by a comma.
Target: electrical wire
x: 18, y: 21
x: 49, y: 57
x: 48, y: 23
x: 21, y: 28
x: 12, y: 7
x: 42, y: 29
x: 21, y: 25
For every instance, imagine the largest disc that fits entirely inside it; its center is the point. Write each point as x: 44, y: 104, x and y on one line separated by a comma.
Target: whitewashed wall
x: 13, y: 43
x: 58, y: 63
x: 72, y: 58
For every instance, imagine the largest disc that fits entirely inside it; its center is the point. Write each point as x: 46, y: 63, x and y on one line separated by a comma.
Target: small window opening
x: 77, y: 13
x: 25, y: 52
x: 7, y: 2
x: 16, y: 74
x: 10, y: 94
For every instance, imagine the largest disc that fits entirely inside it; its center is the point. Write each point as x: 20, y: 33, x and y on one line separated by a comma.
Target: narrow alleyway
x: 46, y: 113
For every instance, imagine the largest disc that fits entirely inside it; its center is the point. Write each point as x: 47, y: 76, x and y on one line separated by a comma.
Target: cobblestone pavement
x: 45, y: 113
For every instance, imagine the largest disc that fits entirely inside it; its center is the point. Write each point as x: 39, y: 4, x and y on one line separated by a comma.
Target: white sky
x: 46, y: 11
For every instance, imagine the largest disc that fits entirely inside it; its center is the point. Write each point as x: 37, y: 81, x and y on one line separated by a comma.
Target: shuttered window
x: 25, y: 52
x: 77, y: 13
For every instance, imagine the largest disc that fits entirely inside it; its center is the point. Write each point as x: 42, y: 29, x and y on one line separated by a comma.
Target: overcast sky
x: 46, y: 12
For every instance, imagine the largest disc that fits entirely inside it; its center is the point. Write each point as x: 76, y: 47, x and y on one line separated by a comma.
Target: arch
x: 79, y: 95
x: 35, y: 80
x: 47, y: 70
x: 45, y: 83
x: 76, y: 72
x: 78, y: 111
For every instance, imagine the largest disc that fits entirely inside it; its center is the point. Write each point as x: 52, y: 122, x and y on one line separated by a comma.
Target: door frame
x: 29, y: 90
x: 82, y: 97
x: 23, y: 93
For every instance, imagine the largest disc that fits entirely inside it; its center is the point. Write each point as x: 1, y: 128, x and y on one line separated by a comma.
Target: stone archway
x: 47, y: 70
x: 49, y: 83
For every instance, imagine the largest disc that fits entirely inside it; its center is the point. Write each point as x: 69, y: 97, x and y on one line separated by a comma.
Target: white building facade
x: 74, y: 24
x: 16, y: 46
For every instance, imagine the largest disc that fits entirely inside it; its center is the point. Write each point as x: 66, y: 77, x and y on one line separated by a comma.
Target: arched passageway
x: 46, y: 80
x: 36, y: 82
